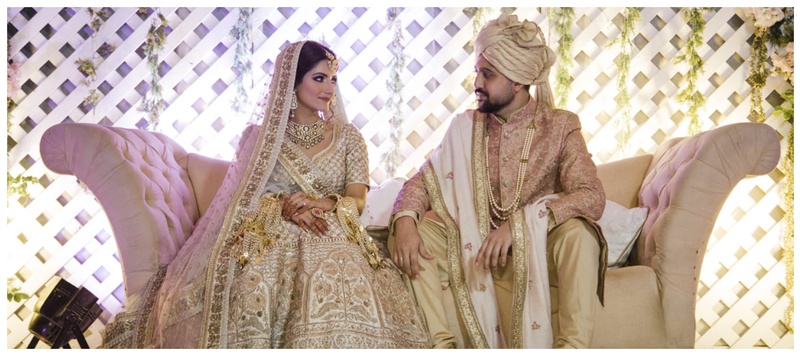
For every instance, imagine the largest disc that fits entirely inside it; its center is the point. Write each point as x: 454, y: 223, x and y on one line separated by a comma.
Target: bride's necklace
x: 503, y: 213
x: 306, y: 135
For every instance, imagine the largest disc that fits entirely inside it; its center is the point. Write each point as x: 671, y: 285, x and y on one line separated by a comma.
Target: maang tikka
x: 333, y: 63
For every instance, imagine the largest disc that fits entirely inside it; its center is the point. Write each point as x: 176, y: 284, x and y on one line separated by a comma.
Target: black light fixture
x: 63, y: 315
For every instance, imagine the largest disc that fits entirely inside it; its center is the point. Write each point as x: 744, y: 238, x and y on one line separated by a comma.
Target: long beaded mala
x: 503, y: 213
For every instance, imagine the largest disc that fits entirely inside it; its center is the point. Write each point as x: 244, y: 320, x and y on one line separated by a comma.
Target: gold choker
x: 304, y: 135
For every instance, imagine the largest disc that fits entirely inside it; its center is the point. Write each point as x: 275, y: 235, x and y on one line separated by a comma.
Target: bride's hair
x: 311, y: 53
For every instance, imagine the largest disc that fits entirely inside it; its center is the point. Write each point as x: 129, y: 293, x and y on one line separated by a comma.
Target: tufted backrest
x: 686, y: 185
x: 155, y: 212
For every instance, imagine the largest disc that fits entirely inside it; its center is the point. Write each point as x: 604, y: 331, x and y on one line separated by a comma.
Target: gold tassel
x: 350, y: 221
x: 258, y: 230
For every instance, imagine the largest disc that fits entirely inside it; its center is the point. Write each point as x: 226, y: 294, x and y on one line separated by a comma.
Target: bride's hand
x: 307, y: 219
x: 293, y: 204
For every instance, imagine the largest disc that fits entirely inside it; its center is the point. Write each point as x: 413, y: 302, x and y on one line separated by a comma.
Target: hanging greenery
x: 18, y: 185
x: 394, y: 84
x: 788, y: 230
x: 12, y: 75
x: 478, y: 21
x: 242, y: 32
x: 13, y: 293
x: 625, y: 40
x: 563, y: 18
x: 775, y: 26
x: 690, y: 95
x: 762, y: 18
x: 88, y: 66
x: 153, y: 103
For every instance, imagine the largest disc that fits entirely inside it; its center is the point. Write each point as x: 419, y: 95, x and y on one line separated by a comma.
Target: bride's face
x: 317, y: 88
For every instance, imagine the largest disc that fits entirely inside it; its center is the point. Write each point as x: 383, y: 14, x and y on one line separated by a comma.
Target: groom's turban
x: 518, y: 50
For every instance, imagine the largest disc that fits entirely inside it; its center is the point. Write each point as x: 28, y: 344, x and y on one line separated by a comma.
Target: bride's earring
x: 333, y: 100
x: 293, y: 104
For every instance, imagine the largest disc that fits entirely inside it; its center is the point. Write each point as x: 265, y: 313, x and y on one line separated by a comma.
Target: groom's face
x: 492, y: 89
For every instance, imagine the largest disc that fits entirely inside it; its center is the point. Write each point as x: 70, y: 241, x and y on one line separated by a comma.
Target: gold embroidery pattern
x: 301, y: 173
x: 350, y: 221
x: 219, y: 274
x: 479, y: 164
x: 454, y: 259
x: 340, y: 292
x: 311, y: 292
x: 259, y: 230
x: 520, y: 276
x: 131, y: 329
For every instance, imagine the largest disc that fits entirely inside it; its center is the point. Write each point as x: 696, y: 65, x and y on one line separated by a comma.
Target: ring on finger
x: 317, y: 212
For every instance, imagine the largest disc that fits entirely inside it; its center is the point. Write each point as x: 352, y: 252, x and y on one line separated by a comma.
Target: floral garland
x: 242, y: 32
x: 623, y: 62
x: 563, y: 18
x: 88, y: 66
x: 394, y: 84
x: 690, y: 94
x: 775, y: 26
x: 153, y: 102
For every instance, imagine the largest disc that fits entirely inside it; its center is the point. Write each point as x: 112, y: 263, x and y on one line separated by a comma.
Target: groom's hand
x: 408, y: 245
x: 494, y: 250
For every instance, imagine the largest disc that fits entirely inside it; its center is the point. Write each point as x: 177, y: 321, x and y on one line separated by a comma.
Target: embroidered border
x: 480, y: 179
x: 520, y: 276
x: 220, y: 270
x: 457, y: 280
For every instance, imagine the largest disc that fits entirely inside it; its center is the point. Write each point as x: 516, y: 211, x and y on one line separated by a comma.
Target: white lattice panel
x: 62, y: 231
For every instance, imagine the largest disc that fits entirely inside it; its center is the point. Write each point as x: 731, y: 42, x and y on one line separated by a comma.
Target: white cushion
x: 621, y: 227
x: 380, y: 200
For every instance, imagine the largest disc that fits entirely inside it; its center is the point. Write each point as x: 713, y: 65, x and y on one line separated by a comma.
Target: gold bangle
x: 334, y: 197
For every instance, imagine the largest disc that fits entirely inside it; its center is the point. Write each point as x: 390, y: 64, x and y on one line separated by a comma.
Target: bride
x: 280, y: 259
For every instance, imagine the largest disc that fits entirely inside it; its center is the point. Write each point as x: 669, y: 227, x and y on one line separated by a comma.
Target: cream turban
x: 518, y: 51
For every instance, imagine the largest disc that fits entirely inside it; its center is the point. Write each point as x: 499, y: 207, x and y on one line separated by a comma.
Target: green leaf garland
x: 88, y: 66
x: 242, y: 32
x: 153, y: 103
x: 563, y: 18
x: 625, y: 41
x: 690, y: 94
x: 394, y: 84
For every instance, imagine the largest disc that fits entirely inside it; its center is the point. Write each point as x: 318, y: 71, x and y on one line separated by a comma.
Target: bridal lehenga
x: 247, y: 278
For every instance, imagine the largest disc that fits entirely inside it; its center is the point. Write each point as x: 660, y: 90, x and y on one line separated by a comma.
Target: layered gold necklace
x: 306, y: 135
x: 503, y: 213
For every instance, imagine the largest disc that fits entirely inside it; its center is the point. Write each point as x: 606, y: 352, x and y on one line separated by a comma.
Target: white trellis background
x: 61, y: 231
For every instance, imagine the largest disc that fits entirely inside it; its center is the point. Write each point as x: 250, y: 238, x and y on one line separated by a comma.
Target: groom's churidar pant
x: 572, y: 264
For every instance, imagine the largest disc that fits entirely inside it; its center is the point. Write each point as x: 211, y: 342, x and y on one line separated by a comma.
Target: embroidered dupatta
x: 455, y: 180
x: 200, y: 277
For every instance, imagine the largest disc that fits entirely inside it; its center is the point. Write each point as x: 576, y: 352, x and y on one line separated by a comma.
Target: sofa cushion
x: 621, y: 227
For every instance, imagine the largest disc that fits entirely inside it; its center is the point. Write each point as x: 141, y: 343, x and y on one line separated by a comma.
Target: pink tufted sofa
x: 154, y: 191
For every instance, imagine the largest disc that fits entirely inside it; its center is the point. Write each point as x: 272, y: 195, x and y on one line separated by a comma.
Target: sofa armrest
x: 140, y: 179
x: 622, y: 179
x: 685, y: 188
x: 206, y: 175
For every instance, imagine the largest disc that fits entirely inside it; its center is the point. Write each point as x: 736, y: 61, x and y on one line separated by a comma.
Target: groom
x: 511, y: 188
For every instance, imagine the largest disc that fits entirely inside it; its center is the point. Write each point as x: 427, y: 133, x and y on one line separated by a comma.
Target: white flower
x: 762, y: 17
x: 784, y: 64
